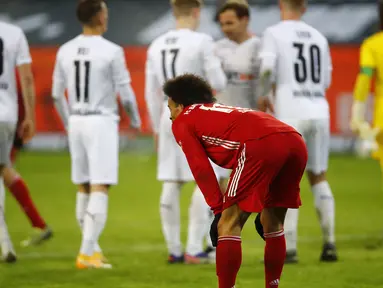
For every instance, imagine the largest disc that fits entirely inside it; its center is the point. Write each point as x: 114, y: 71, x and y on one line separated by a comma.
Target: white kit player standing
x: 176, y: 52
x: 93, y: 70
x: 14, y: 53
x: 298, y: 57
x: 238, y: 52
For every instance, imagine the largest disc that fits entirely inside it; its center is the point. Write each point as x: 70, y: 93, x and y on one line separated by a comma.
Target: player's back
x: 178, y: 52
x: 86, y: 63
x: 224, y: 129
x: 239, y: 61
x: 303, y: 71
x: 14, y: 52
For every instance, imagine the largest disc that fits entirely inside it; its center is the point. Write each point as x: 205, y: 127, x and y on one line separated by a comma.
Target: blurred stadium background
x: 133, y: 238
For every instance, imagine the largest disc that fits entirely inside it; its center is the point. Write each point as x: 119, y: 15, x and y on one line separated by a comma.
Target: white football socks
x: 198, y: 220
x: 94, y: 222
x: 82, y: 201
x: 291, y: 229
x: 207, y: 229
x: 5, y: 240
x: 325, y: 206
x: 170, y: 216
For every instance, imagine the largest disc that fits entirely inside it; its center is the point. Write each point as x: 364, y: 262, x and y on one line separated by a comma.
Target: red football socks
x: 228, y: 260
x: 275, y: 254
x: 20, y: 191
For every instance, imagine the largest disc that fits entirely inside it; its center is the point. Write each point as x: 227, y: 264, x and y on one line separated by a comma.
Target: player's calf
x: 272, y: 220
x: 229, y: 250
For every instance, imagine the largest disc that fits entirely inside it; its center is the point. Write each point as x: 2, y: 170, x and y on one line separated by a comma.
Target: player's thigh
x: 171, y: 161
x: 318, y: 146
x: 103, y: 148
x: 285, y: 186
x: 7, y: 132
x: 258, y: 163
x: 77, y: 147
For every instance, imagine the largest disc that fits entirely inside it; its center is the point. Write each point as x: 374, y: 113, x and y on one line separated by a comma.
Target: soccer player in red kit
x: 267, y: 158
x: 19, y: 189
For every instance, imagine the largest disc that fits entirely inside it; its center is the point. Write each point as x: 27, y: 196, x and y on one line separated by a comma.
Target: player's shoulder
x: 109, y: 44
x: 374, y: 40
x: 10, y: 30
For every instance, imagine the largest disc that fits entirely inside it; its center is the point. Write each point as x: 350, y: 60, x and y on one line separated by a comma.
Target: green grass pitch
x: 133, y: 240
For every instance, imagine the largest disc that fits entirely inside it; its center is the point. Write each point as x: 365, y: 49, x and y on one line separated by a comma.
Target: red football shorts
x: 268, y: 173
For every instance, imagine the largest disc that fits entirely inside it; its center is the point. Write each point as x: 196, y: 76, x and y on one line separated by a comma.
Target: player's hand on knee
x: 259, y: 226
x: 214, y: 229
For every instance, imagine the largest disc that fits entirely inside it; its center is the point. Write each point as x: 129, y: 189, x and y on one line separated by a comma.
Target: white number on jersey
x: 224, y: 108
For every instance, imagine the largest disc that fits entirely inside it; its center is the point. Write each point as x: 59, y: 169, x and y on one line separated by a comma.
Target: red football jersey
x: 218, y: 132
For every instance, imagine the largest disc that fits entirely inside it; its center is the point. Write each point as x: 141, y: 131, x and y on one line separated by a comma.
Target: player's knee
x: 229, y: 226
x: 83, y: 188
x: 316, y: 177
x: 272, y: 219
x: 99, y: 188
x: 10, y: 176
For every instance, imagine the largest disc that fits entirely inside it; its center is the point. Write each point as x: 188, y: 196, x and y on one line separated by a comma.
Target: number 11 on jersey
x: 79, y: 84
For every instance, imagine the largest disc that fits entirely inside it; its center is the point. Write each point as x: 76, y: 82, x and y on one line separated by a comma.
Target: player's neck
x: 243, y: 37
x: 291, y: 15
x: 186, y: 23
x: 92, y: 31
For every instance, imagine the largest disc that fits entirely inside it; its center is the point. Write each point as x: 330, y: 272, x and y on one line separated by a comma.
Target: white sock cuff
x: 98, y: 203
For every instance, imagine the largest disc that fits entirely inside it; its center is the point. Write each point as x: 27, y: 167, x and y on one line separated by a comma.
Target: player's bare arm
x: 266, y: 86
x: 27, y: 127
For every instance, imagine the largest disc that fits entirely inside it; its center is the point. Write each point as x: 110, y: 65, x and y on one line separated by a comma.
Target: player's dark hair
x: 240, y: 10
x: 87, y: 9
x: 189, y: 89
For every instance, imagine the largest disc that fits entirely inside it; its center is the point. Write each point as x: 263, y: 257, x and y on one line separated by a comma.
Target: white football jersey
x: 90, y: 68
x: 299, y: 57
x: 175, y: 53
x: 14, y: 51
x: 241, y: 66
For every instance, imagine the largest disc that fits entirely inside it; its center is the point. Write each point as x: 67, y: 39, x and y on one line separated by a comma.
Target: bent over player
x: 93, y: 70
x: 268, y: 159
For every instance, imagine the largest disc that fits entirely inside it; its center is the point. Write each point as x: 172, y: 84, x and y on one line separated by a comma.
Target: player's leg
x: 229, y: 249
x: 283, y: 192
x: 169, y: 172
x: 318, y: 149
x: 272, y: 220
x: 6, y: 138
x: 291, y: 219
x: 20, y: 191
x: 102, y: 153
x: 198, y: 223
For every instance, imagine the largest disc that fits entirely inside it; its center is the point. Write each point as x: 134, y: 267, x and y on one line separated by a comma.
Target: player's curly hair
x: 87, y: 9
x: 189, y: 89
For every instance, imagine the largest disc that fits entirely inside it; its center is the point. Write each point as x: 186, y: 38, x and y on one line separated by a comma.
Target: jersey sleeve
x: 23, y: 55
x: 199, y: 165
x: 268, y: 53
x: 59, y: 85
x: 328, y: 67
x: 367, y: 67
x: 121, y: 81
x: 153, y: 93
x: 212, y: 65
x: 367, y: 59
x: 120, y: 73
